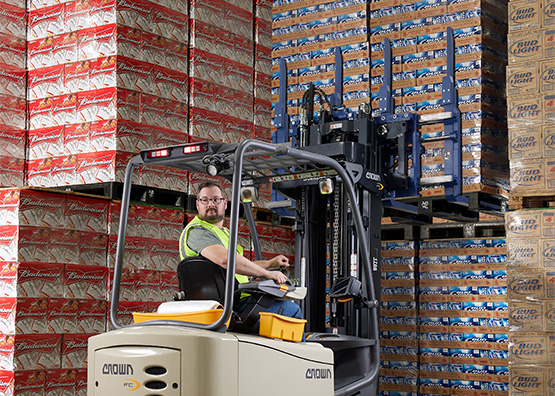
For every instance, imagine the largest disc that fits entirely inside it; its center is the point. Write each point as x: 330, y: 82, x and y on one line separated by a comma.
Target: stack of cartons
x: 56, y: 257
x: 306, y: 32
x: 105, y: 80
x: 463, y: 317
x: 221, y: 70
x: 531, y: 292
x: 398, y: 318
x: 531, y: 96
x: 12, y: 92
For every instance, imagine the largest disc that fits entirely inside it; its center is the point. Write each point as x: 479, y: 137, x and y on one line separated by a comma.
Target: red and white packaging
x: 46, y: 142
x: 65, y: 49
x: 13, y: 111
x: 14, y: 20
x: 102, y: 12
x: 134, y: 74
x: 102, y: 136
x: 7, y: 383
x: 62, y: 315
x: 13, y: 140
x: 63, y: 171
x: 38, y: 173
x: 81, y: 382
x: 127, y: 284
x: 163, y: 254
x: 12, y: 171
x: 74, y: 351
x: 37, y: 351
x: 12, y: 80
x: 8, y: 311
x: 45, y: 82
x: 30, y: 316
x: 141, y: 220
x: 77, y: 15
x: 39, y: 280
x: 207, y: 66
x: 97, y: 42
x: 176, y: 179
x: 30, y: 207
x: 125, y: 312
x: 48, y: 21
x: 133, y: 136
x: 39, y: 53
x: 225, y: 15
x: 263, y: 59
x: 262, y: 86
x: 204, y: 122
x: 64, y: 247
x: 205, y: 95
x: 64, y: 109
x: 76, y: 138
x: 128, y: 104
x: 147, y: 284
x: 169, y: 23
x: 153, y: 48
x: 263, y: 32
x: 93, y: 247
x: 130, y: 42
x: 87, y: 214
x: 7, y: 352
x: 8, y: 279
x: 60, y: 382
x: 30, y: 382
x: 91, y: 318
x: 77, y: 77
x: 171, y: 223
x: 263, y: 113
x: 114, y: 216
x: 176, y: 56
x: 8, y: 243
x: 122, y: 159
x: 34, y: 244
x: 136, y: 252
x: 168, y: 286
x: 153, y: 177
x: 95, y: 167
x: 102, y: 73
x: 135, y: 13
x: 85, y: 282
x: 165, y: 113
x: 97, y: 105
x: 12, y: 50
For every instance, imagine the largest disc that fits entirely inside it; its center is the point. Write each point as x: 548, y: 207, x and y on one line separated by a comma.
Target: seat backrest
x: 201, y: 279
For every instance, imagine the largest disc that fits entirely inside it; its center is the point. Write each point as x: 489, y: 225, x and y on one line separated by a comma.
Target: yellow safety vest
x: 221, y: 233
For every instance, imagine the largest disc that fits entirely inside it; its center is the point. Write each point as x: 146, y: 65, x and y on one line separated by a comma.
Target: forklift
x: 335, y: 172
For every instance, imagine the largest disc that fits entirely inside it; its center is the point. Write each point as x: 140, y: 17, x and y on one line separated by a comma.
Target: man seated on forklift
x: 206, y: 236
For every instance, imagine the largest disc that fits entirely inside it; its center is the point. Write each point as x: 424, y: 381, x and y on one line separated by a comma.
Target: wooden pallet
x: 517, y: 202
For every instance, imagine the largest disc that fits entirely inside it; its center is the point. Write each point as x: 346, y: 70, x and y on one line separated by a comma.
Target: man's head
x: 208, y: 209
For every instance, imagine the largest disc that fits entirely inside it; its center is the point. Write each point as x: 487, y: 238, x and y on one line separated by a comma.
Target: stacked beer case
x: 56, y: 260
x: 531, y: 120
x: 105, y: 80
x: 306, y: 32
x: 12, y: 92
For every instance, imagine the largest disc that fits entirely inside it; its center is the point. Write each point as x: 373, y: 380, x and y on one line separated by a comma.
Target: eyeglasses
x: 205, y: 200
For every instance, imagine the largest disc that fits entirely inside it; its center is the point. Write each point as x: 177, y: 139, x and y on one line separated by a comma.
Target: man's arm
x: 218, y: 255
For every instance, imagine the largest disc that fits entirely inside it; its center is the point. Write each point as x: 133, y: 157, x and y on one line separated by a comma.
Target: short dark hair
x: 209, y: 184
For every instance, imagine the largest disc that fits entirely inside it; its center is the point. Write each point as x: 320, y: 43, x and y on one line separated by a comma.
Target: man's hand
x: 279, y: 261
x: 276, y: 276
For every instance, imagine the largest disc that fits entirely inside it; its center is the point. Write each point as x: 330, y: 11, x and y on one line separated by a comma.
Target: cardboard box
x: 546, y: 76
x: 525, y: 143
x: 523, y: 79
x: 525, y: 110
x: 525, y: 15
x: 526, y: 316
x: 548, y: 16
x: 525, y: 46
x: 530, y: 348
x: 527, y: 380
x: 530, y: 284
x: 523, y: 253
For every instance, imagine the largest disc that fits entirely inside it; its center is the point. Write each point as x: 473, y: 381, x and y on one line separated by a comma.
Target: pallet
x: 517, y: 202
x: 463, y: 230
x: 439, y: 207
x: 150, y: 195
x: 396, y: 232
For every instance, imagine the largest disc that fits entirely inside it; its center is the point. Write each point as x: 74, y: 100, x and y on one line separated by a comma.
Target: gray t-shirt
x: 200, y: 237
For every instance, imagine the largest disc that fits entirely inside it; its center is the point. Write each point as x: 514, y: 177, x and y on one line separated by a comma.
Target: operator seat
x: 202, y: 279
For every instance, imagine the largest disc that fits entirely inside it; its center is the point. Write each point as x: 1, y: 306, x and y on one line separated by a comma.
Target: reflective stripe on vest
x: 222, y: 234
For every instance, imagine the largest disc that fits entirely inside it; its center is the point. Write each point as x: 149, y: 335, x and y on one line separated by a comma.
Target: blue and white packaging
x: 464, y: 322
x: 464, y: 353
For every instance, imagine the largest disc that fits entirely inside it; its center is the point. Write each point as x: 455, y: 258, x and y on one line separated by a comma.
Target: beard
x: 211, y: 216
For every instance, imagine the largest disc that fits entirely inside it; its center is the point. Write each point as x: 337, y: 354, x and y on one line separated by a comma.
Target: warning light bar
x: 158, y: 153
x: 194, y: 148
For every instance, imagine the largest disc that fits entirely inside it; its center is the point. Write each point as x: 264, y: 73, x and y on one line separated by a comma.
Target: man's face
x: 211, y: 212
